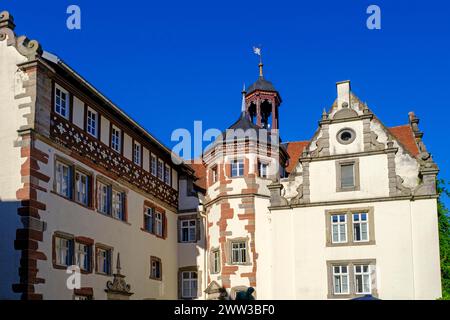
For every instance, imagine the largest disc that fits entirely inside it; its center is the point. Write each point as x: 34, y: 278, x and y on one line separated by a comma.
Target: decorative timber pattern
x: 69, y: 136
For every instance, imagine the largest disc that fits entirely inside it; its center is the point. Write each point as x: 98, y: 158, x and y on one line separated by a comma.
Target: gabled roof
x: 294, y: 150
x: 405, y: 136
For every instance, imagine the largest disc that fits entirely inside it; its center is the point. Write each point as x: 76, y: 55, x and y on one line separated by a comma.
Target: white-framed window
x: 92, y: 122
x: 103, y: 261
x: 340, y: 280
x: 103, y: 198
x: 339, y: 228
x: 239, y: 252
x: 82, y: 297
x: 116, y: 139
x: 83, y: 256
x: 237, y: 168
x: 61, y: 102
x: 362, y: 279
x: 215, y: 261
x: 153, y: 165
x: 188, y: 230
x: 63, y: 179
x: 168, y: 175
x: 189, y: 284
x: 158, y: 223
x: 118, y: 205
x: 137, y: 153
x: 81, y: 188
x: 347, y: 175
x: 263, y: 169
x: 214, y: 174
x: 63, y: 251
x: 360, y: 227
x: 160, y: 170
x: 149, y: 219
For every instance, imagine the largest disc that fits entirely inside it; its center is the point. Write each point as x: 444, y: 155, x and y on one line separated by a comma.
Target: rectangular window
x: 137, y: 154
x: 61, y: 102
x: 118, y: 205
x: 83, y: 256
x: 339, y: 228
x: 237, y: 168
x: 104, y: 196
x: 82, y: 188
x: 167, y: 175
x: 188, y: 284
x: 340, y: 280
x: 214, y: 176
x: 115, y: 139
x: 160, y: 170
x: 360, y: 227
x: 347, y: 176
x: 158, y: 223
x: 155, y: 272
x: 215, y: 261
x: 104, y: 261
x: 239, y: 252
x: 362, y: 279
x: 64, y: 251
x: 188, y: 230
x: 92, y: 122
x: 263, y: 169
x: 63, y: 179
x: 148, y: 219
x: 153, y: 165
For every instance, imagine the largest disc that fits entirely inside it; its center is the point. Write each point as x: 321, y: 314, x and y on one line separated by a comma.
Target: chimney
x: 343, y: 94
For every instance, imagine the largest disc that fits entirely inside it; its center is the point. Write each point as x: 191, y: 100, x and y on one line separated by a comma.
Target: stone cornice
x: 354, y: 201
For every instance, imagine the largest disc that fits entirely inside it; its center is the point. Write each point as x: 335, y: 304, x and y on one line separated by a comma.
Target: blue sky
x: 168, y: 63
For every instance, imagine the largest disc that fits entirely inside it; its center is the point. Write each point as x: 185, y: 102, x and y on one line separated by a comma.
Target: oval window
x: 346, y: 136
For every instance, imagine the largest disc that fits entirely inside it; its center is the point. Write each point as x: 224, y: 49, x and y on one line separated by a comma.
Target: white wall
x: 11, y: 84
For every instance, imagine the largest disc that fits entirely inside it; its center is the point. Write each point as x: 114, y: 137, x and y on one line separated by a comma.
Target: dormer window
x: 61, y: 102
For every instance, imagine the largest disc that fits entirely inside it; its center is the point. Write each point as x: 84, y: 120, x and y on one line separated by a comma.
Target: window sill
x: 111, y: 217
x: 240, y: 264
x: 352, y: 244
x: 348, y: 189
x: 156, y: 279
x: 103, y: 274
x: 71, y: 200
x: 153, y: 234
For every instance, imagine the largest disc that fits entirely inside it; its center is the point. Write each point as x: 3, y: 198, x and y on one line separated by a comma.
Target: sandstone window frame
x: 156, y: 210
x: 109, y: 259
x: 215, y: 260
x: 187, y: 218
x: 350, y: 232
x: 191, y: 269
x: 229, y: 247
x: 156, y: 272
x: 238, y: 167
x: 263, y: 169
x: 72, y: 183
x: 356, y: 175
x: 350, y: 264
x: 112, y: 188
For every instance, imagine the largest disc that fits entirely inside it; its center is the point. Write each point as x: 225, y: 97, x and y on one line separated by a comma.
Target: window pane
x: 347, y: 176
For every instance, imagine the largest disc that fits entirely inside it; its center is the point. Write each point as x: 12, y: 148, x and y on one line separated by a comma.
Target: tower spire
x: 257, y: 51
x: 243, y: 101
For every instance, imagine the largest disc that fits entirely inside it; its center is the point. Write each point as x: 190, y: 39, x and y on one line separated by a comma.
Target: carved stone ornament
x: 299, y: 197
x: 26, y: 47
x: 276, y: 199
x: 118, y: 289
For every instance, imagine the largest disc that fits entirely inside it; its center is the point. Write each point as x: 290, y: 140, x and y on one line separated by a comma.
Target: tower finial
x: 257, y: 51
x: 243, y: 100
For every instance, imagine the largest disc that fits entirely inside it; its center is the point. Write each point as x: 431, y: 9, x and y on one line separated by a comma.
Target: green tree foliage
x: 444, y: 239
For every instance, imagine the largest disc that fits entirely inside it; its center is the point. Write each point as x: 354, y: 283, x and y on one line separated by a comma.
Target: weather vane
x: 257, y: 51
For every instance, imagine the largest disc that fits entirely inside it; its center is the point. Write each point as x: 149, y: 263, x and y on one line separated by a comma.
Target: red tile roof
x: 405, y: 136
x: 294, y: 150
x: 200, y: 172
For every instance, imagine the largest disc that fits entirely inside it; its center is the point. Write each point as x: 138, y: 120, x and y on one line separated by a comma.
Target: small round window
x: 346, y: 136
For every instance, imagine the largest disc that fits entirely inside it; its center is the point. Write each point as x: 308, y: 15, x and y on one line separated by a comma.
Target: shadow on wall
x: 9, y: 257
